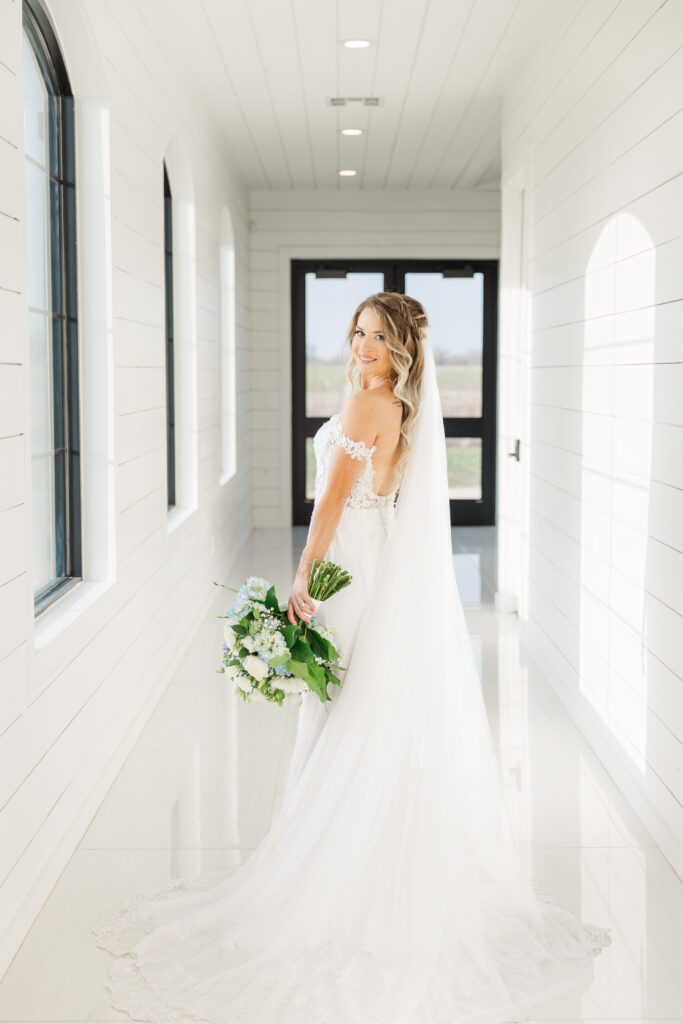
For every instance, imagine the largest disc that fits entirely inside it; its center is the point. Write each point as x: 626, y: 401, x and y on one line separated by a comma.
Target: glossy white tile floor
x: 200, y: 788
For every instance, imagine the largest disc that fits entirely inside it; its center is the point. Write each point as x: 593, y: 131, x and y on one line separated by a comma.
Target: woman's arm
x: 358, y: 423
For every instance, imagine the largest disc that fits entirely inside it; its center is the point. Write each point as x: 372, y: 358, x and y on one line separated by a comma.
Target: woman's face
x: 370, y: 350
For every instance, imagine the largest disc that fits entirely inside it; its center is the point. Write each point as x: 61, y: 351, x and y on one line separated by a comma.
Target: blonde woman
x: 388, y: 890
x: 360, y: 456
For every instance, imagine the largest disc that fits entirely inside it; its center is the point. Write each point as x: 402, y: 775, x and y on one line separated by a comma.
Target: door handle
x: 514, y: 454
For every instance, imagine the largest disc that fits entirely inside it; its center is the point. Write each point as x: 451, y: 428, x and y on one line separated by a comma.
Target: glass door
x: 461, y: 302
x: 461, y: 305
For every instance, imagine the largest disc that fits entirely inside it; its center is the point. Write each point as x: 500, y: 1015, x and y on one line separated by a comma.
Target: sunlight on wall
x: 616, y: 435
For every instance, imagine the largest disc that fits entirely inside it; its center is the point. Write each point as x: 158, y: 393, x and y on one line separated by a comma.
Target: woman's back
x: 386, y: 414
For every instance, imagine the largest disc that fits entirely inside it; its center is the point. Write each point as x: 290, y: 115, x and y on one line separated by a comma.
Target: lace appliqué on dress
x: 362, y: 500
x: 356, y: 449
x: 362, y: 494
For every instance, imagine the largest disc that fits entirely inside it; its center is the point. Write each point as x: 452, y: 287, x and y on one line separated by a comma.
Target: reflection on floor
x: 207, y: 772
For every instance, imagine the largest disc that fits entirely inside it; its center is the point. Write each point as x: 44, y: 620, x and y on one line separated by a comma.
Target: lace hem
x: 112, y: 924
x: 327, y: 984
x: 595, y: 936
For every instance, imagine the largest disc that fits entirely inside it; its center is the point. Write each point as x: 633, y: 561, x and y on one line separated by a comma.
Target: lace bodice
x: 362, y: 495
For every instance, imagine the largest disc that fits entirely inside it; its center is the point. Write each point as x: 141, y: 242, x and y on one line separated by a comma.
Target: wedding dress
x: 388, y: 889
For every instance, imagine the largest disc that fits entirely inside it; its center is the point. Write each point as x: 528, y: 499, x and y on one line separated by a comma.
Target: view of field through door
x: 460, y: 298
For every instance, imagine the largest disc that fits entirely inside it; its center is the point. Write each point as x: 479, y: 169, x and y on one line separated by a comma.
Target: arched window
x: 170, y: 368
x: 52, y: 309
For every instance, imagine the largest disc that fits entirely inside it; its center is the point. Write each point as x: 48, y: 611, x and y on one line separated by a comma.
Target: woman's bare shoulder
x: 372, y: 402
x: 366, y: 416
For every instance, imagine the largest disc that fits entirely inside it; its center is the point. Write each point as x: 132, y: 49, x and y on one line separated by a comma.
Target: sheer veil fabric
x: 389, y: 889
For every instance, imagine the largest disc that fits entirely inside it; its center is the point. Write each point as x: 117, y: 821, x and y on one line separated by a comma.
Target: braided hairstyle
x: 403, y: 320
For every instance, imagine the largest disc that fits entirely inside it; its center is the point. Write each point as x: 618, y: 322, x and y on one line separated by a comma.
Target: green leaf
x: 302, y: 651
x: 299, y: 669
x: 318, y: 681
x: 281, y: 659
x: 313, y: 675
x: 318, y: 643
x: 290, y: 633
x: 321, y: 646
x: 271, y: 600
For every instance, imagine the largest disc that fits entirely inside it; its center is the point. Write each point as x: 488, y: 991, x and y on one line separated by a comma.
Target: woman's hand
x: 300, y: 601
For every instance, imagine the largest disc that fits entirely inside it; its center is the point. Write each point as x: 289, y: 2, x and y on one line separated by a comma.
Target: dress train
x: 388, y: 890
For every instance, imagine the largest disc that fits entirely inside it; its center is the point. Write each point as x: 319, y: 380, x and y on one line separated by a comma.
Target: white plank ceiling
x: 267, y: 70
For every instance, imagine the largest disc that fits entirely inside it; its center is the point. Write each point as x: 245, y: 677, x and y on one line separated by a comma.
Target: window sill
x: 178, y: 515
x: 60, y: 615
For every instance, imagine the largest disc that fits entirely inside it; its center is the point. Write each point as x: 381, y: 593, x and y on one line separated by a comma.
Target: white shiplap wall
x: 71, y: 709
x: 596, y: 125
x: 335, y: 223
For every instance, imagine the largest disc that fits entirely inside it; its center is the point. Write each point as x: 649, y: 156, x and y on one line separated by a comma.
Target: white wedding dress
x: 357, y: 544
x: 388, y: 889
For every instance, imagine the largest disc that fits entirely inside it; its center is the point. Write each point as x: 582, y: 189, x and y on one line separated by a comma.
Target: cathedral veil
x: 388, y: 889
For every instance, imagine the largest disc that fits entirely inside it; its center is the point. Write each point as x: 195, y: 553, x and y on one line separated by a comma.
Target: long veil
x: 388, y: 890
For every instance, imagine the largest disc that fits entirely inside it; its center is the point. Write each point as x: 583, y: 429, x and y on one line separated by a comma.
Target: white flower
x: 228, y: 634
x: 329, y: 634
x: 249, y: 643
x: 256, y: 667
x: 290, y: 684
x: 232, y: 671
x: 258, y: 696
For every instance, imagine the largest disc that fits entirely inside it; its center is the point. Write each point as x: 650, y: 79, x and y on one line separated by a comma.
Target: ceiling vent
x: 343, y: 101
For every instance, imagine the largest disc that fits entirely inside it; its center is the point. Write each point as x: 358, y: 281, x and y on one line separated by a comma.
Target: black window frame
x: 467, y: 511
x: 63, y: 251
x: 169, y: 346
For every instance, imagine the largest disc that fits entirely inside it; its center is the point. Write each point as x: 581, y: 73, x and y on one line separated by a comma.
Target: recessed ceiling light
x: 352, y: 131
x: 356, y: 44
x: 347, y: 174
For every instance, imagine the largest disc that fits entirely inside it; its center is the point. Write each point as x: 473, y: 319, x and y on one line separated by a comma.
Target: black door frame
x: 464, y: 511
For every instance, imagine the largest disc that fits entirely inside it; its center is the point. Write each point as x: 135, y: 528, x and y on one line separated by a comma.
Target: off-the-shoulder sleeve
x: 356, y: 449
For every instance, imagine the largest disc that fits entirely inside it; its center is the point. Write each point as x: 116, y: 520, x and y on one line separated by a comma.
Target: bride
x: 388, y: 889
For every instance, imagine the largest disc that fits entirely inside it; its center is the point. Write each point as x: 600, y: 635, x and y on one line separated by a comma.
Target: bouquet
x: 269, y: 658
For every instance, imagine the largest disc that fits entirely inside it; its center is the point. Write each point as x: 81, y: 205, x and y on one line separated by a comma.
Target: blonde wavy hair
x: 404, y: 321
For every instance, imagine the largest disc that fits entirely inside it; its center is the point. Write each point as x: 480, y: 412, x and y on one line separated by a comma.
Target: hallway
x: 194, y: 198
x: 205, y: 777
